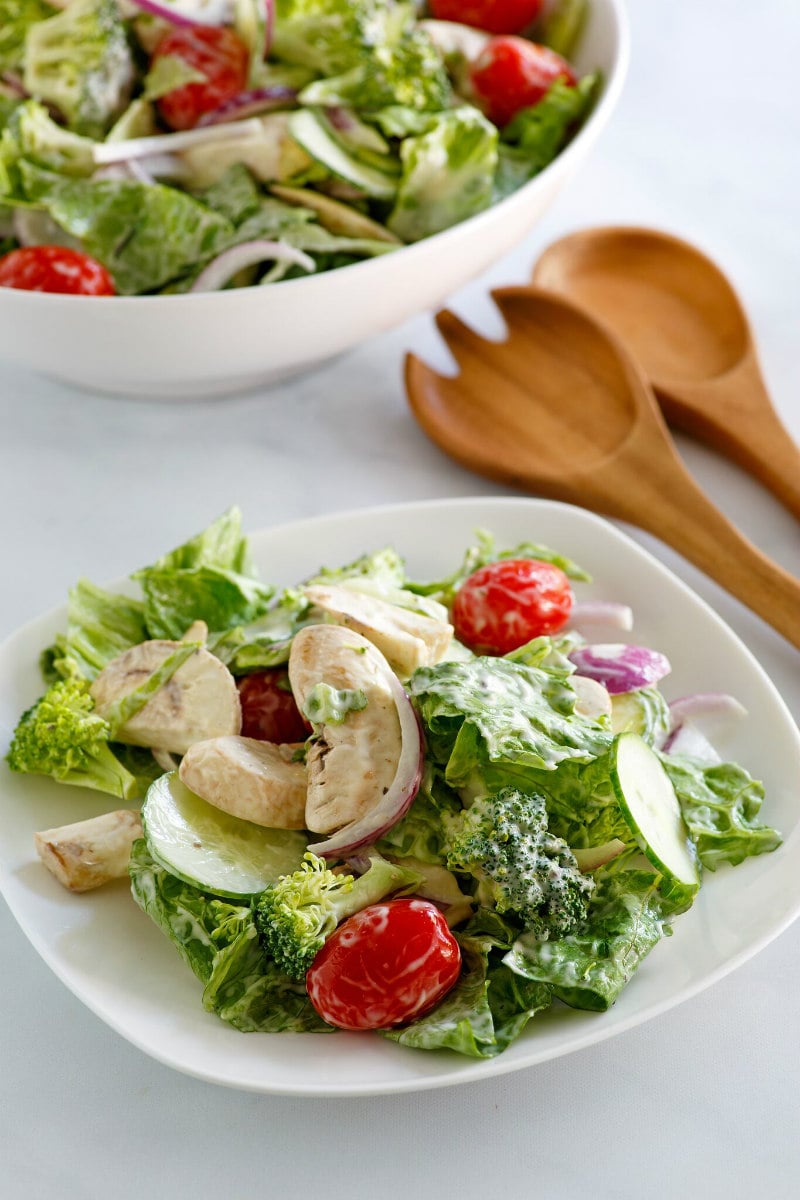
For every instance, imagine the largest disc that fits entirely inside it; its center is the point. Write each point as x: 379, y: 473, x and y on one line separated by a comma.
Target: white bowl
x: 174, y: 347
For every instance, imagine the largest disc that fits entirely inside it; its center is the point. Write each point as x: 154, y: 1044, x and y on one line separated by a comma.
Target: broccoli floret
x: 503, y: 842
x: 62, y: 736
x: 297, y: 916
x: 80, y: 61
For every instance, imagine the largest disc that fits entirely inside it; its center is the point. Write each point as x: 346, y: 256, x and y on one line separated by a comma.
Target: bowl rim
x: 612, y: 87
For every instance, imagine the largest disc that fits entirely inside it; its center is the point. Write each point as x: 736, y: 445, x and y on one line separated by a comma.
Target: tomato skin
x: 55, y: 269
x: 505, y: 604
x: 495, y: 16
x: 220, y: 54
x: 386, y: 966
x: 269, y: 711
x: 512, y: 73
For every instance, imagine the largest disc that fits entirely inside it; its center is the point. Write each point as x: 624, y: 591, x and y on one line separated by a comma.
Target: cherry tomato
x: 269, y: 711
x: 385, y: 966
x: 495, y: 16
x: 55, y: 269
x: 505, y: 604
x: 219, y: 54
x: 511, y: 73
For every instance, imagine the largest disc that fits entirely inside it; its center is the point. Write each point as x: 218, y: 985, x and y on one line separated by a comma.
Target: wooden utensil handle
x: 684, y: 517
x: 740, y: 420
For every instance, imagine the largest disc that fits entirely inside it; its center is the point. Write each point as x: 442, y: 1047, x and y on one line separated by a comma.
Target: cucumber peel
x: 212, y: 850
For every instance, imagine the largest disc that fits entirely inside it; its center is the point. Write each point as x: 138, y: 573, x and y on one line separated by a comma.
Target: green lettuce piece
x: 209, y: 578
x: 100, y: 626
x: 487, y: 1009
x: 235, y: 196
x: 537, y: 135
x: 326, y: 705
x: 32, y: 134
x: 589, y: 968
x: 422, y: 833
x: 483, y: 552
x: 266, y: 642
x: 448, y: 174
x: 720, y: 805
x: 145, y: 234
x: 167, y: 73
x: 563, y: 26
x: 80, y: 61
x: 493, y: 711
x: 16, y: 18
x: 219, y: 942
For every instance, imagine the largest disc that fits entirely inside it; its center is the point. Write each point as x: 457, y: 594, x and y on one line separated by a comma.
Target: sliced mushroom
x: 334, y: 216
x: 351, y: 764
x: 200, y: 701
x: 591, y: 698
x: 407, y: 639
x: 251, y: 779
x: 87, y: 854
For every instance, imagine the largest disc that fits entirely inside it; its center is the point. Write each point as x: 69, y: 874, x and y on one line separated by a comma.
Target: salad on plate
x: 428, y: 809
x: 163, y: 146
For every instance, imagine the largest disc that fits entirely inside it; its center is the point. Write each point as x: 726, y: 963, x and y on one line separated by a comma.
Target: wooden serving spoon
x: 560, y: 409
x: 679, y: 316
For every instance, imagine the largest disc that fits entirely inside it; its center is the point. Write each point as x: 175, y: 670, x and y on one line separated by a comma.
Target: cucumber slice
x: 212, y: 850
x: 309, y: 132
x: 651, y: 808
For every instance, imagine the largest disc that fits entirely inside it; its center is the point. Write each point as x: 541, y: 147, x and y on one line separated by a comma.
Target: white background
x: 702, y: 1101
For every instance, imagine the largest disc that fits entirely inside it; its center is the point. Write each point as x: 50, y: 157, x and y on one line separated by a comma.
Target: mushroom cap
x: 200, y: 701
x: 248, y: 778
x: 408, y: 640
x: 351, y: 765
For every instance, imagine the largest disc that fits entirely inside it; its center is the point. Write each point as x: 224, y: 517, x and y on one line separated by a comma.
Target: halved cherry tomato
x: 505, y: 604
x: 495, y: 16
x: 512, y: 73
x: 269, y: 711
x: 386, y: 966
x: 214, y: 51
x: 55, y: 269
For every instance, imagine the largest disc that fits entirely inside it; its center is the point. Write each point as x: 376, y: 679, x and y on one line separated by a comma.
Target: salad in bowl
x: 169, y: 146
x: 432, y: 810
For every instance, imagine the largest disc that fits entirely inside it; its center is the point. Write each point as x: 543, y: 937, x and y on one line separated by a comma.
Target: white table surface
x: 702, y: 1101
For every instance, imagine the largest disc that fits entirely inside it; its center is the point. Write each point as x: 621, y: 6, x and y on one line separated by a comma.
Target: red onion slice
x: 602, y: 612
x: 400, y: 796
x: 620, y: 667
x: 718, y: 705
x: 247, y: 254
x: 171, y: 143
x: 690, y: 742
x: 249, y: 104
x: 218, y: 14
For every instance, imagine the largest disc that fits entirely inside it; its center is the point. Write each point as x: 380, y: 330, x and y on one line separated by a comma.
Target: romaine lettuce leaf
x: 448, y: 174
x: 100, y: 625
x: 493, y: 711
x: 219, y: 942
x: 721, y: 805
x: 645, y: 712
x: 267, y: 641
x: 420, y: 833
x: 209, y: 578
x: 537, y: 135
x: 589, y: 968
x: 145, y: 234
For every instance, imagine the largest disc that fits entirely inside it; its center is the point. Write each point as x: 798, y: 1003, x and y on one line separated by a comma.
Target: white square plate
x: 119, y: 964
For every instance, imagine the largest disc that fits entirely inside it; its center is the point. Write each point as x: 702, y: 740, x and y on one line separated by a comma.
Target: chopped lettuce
x: 219, y: 942
x: 493, y: 711
x: 448, y: 174
x: 590, y: 967
x: 167, y: 73
x: 100, y: 625
x: 80, y: 61
x: 720, y: 805
x: 209, y: 578
x: 31, y: 133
